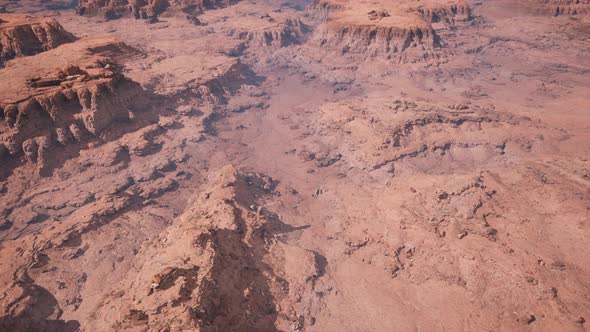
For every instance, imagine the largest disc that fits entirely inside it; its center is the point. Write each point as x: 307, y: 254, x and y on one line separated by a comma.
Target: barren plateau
x: 296, y: 165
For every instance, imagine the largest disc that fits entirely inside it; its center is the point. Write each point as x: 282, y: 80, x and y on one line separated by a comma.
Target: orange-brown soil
x: 22, y: 35
x: 301, y: 165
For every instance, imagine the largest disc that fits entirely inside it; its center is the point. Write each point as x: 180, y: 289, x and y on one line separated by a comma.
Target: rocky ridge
x: 288, y: 32
x: 445, y: 11
x: 24, y: 35
x: 399, y: 31
x: 141, y: 9
x: 562, y: 7
x: 223, y: 277
x: 409, y: 136
x: 69, y: 105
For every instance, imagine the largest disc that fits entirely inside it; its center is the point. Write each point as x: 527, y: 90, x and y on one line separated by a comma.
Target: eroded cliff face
x: 562, y: 7
x: 555, y: 8
x: 141, y: 9
x: 217, y: 268
x: 273, y: 166
x: 445, y: 11
x: 23, y: 35
x: 289, y: 31
x: 397, y: 31
x: 89, y: 101
x: 52, y: 106
x: 414, y: 41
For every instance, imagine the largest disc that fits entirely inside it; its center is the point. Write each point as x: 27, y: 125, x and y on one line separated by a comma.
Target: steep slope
x: 399, y: 31
x: 23, y: 35
x: 141, y: 9
x: 44, y: 107
x: 220, y: 266
x: 562, y: 7
x: 356, y: 31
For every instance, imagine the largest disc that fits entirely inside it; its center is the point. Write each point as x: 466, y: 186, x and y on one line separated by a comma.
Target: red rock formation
x: 390, y: 35
x: 142, y: 9
x: 446, y: 11
x: 327, y: 5
x: 562, y: 7
x: 398, y: 30
x: 22, y: 35
x: 378, y: 40
x: 66, y: 105
x: 272, y: 33
x: 432, y: 10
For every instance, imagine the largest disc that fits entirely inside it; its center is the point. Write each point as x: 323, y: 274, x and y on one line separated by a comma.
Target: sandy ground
x: 291, y: 185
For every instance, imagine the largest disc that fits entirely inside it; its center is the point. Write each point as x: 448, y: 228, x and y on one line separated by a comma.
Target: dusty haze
x: 326, y: 165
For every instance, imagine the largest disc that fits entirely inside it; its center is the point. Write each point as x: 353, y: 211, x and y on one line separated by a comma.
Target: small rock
x: 194, y: 20
x: 410, y: 251
x: 531, y: 318
x: 532, y: 280
x: 152, y: 20
x: 298, y: 324
x: 394, y: 271
x: 558, y: 266
x: 527, y: 318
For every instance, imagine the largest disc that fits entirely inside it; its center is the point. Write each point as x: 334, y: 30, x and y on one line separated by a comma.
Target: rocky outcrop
x: 280, y: 34
x: 142, y: 9
x: 327, y: 5
x: 116, y: 9
x: 403, y: 43
x: 446, y: 12
x: 22, y: 35
x: 431, y: 10
x: 321, y: 8
x: 216, y: 89
x: 219, y: 267
x: 419, y: 136
x: 218, y: 76
x: 65, y: 106
x: 398, y: 31
x: 561, y: 7
x: 382, y: 40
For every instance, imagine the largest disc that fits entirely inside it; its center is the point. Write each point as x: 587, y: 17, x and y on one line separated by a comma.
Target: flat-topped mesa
x: 256, y: 25
x: 271, y: 31
x: 380, y: 32
x: 143, y: 9
x: 42, y: 105
x: 23, y: 35
x: 561, y: 7
x: 434, y: 11
x: 327, y: 5
x: 210, y: 80
x: 445, y: 11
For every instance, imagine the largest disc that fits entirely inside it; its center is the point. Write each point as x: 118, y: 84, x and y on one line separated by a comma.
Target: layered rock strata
x: 23, y: 35
x: 59, y: 106
x: 141, y: 9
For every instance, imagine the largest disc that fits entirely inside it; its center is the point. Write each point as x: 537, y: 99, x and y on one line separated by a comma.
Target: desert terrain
x: 294, y: 165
